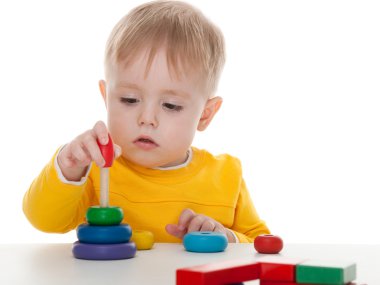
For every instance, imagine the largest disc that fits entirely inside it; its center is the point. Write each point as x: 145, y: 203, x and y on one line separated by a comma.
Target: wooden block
x: 278, y: 268
x: 263, y: 282
x: 325, y: 272
x: 220, y: 273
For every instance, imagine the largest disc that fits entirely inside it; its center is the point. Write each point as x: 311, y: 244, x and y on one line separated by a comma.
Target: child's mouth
x: 145, y: 143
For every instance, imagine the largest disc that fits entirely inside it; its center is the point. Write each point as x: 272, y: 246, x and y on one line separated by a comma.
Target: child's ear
x: 211, y: 108
x: 103, y: 90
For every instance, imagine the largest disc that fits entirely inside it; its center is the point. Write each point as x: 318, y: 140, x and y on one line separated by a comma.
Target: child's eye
x: 129, y: 101
x: 172, y: 107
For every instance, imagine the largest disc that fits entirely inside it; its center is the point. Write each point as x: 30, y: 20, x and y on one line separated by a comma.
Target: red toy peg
x: 107, y: 151
x: 268, y: 244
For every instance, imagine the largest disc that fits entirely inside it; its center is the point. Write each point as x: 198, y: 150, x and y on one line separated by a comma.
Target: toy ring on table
x: 268, y: 244
x: 205, y: 241
x: 104, y: 234
x: 104, y: 216
x: 142, y: 239
x: 104, y: 251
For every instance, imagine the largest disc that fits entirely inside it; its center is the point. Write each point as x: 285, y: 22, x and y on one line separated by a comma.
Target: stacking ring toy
x: 142, y: 239
x: 104, y: 251
x: 205, y: 242
x: 104, y: 216
x: 268, y: 244
x: 104, y: 234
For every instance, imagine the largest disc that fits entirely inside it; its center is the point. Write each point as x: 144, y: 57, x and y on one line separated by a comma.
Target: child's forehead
x: 145, y: 64
x: 132, y: 77
x: 176, y: 64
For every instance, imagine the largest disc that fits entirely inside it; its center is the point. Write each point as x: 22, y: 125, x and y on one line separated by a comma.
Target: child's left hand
x: 189, y: 221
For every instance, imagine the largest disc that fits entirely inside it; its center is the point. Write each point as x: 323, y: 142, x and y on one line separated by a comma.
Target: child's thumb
x: 174, y: 230
x: 117, y: 150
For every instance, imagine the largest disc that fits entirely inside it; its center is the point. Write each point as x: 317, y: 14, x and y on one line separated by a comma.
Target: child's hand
x: 75, y: 157
x: 189, y: 221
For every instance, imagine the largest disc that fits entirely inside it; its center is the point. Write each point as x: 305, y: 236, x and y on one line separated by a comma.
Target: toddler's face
x: 154, y: 116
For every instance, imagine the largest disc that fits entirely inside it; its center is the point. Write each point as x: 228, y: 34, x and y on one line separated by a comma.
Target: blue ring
x: 104, y: 234
x: 205, y: 242
x: 104, y: 251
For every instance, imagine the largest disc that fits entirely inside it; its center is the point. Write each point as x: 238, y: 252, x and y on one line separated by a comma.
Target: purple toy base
x: 104, y: 251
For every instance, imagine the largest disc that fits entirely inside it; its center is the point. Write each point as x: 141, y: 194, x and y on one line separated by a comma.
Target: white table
x: 53, y: 264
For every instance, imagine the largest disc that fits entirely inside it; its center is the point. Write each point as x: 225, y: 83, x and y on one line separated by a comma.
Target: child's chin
x: 143, y: 162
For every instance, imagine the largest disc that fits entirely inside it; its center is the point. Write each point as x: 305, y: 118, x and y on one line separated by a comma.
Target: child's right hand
x: 75, y: 157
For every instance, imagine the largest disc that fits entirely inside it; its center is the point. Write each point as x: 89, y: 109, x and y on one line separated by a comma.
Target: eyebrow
x: 172, y: 92
x: 175, y: 93
x: 129, y: 85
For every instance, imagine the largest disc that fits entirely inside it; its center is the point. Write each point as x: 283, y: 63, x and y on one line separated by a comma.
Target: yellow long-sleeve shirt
x: 150, y: 198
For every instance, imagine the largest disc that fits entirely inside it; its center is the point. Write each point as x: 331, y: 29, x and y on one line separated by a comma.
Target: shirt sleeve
x: 247, y: 223
x: 53, y: 206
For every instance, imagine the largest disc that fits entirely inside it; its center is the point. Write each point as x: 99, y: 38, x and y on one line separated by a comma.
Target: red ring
x: 268, y: 244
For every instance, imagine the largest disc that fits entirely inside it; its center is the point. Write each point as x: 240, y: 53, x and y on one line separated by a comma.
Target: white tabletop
x: 54, y: 264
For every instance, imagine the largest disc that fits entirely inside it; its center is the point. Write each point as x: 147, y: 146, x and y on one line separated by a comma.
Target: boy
x: 162, y: 65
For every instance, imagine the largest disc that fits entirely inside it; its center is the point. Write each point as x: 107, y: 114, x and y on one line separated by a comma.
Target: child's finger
x: 220, y: 229
x: 208, y: 226
x: 175, y: 231
x: 195, y: 224
x: 101, y: 132
x: 185, y: 218
x: 94, y: 151
x: 64, y: 159
x: 77, y: 152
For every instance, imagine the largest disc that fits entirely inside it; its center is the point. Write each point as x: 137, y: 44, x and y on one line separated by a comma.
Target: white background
x: 301, y: 106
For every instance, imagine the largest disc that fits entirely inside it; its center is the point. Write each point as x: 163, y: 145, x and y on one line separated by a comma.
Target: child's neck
x: 183, y: 164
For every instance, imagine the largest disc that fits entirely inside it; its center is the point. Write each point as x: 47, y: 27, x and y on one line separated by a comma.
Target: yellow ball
x: 142, y: 239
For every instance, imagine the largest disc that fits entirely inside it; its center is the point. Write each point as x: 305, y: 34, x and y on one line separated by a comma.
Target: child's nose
x: 148, y: 117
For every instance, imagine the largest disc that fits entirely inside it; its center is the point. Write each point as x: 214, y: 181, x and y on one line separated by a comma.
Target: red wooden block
x: 263, y: 282
x: 226, y: 272
x: 278, y: 268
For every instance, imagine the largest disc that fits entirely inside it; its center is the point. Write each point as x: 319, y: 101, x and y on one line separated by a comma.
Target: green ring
x: 104, y: 216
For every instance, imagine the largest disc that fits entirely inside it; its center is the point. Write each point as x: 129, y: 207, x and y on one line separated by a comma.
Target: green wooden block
x: 325, y: 272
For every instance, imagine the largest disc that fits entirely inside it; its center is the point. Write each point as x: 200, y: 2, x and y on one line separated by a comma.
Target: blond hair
x: 190, y: 39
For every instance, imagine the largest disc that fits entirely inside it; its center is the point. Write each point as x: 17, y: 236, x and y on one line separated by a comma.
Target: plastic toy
x: 143, y: 239
x: 226, y: 272
x: 205, y: 241
x: 278, y: 269
x: 104, y: 237
x: 107, y: 152
x: 270, y: 271
x: 104, y: 234
x: 108, y: 216
x: 325, y: 272
x: 268, y: 244
x: 104, y: 251
x: 108, y: 155
x: 294, y: 283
